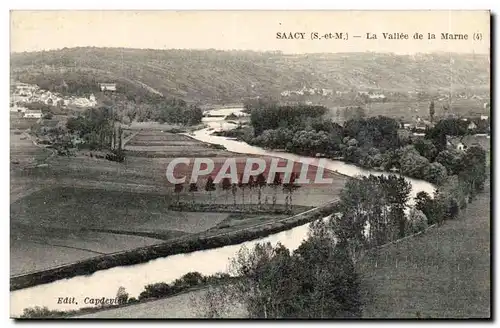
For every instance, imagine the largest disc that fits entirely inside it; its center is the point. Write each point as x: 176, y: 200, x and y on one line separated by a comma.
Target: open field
x: 444, y: 273
x: 165, y: 144
x: 93, y: 222
x: 27, y: 256
x: 46, y: 247
x: 79, y: 207
x: 93, y: 209
x: 17, y: 122
x: 23, y: 152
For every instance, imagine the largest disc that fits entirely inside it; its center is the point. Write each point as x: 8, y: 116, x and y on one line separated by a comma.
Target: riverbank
x: 444, y: 273
x: 144, y: 254
x: 189, y: 283
x: 399, y: 279
x: 168, y: 268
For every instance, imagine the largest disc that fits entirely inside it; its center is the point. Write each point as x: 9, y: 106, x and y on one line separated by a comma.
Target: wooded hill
x: 231, y: 76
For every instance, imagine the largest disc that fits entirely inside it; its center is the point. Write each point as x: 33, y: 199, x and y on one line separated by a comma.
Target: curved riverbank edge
x: 148, y: 253
x: 91, y: 310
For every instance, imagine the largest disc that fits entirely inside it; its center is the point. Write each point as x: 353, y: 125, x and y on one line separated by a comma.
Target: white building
x: 460, y: 146
x: 108, y: 86
x: 33, y: 114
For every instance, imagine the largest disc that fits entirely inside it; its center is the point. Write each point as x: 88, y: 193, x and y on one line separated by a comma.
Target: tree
x: 226, y: 186
x: 289, y: 187
x: 412, y: 163
x: 214, y: 302
x: 431, y: 110
x: 120, y: 141
x: 317, y: 281
x: 276, y: 183
x: 396, y: 192
x: 328, y: 284
x: 425, y: 204
x: 452, y: 160
x: 435, y: 173
x: 251, y: 185
x: 426, y: 148
x: 234, y: 190
x: 122, y: 295
x: 210, y: 186
x: 178, y: 189
x: 193, y: 278
x: 474, y: 169
x: 193, y: 187
x: 261, y: 182
x: 356, y: 207
x: 242, y: 186
x: 417, y: 221
x: 36, y: 312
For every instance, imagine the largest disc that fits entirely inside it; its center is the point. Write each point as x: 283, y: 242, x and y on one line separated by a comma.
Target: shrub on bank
x: 417, y: 221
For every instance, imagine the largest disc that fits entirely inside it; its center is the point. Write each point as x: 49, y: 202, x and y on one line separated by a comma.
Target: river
x: 105, y: 283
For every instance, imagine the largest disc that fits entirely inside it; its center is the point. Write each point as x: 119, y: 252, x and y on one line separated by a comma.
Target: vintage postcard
x: 250, y: 164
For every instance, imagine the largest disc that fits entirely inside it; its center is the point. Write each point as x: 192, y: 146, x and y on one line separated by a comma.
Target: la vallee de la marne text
x: 372, y: 36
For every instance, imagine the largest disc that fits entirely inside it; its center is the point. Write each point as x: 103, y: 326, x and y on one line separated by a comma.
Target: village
x: 23, y: 94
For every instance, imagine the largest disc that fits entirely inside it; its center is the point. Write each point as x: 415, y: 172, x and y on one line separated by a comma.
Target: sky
x: 248, y: 30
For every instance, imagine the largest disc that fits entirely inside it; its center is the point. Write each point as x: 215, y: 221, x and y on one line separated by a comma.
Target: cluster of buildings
x: 420, y: 125
x: 372, y: 95
x: 311, y: 92
x: 24, y: 93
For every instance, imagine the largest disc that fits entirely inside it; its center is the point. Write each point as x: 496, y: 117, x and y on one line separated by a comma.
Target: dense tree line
x: 317, y: 280
x: 255, y: 182
x: 97, y: 129
x: 272, y: 116
x: 373, y: 142
x: 458, y: 190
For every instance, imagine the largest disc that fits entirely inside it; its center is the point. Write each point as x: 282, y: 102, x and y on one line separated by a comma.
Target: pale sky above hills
x: 248, y: 30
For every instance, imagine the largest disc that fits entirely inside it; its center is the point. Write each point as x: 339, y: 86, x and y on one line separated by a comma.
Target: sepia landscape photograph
x: 250, y: 164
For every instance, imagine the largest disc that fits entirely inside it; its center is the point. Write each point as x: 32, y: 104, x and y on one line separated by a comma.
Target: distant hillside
x: 231, y: 76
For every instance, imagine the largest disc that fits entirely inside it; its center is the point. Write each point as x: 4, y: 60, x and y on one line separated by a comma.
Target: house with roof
x: 35, y: 113
x: 472, y: 125
x: 107, y: 86
x: 455, y: 143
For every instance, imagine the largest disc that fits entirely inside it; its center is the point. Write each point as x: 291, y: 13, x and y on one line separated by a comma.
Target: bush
x: 417, y: 221
x: 435, y: 173
x: 37, y: 312
x: 193, y: 278
x: 156, y: 290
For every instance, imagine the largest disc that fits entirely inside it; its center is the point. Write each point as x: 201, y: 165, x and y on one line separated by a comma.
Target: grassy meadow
x: 444, y: 273
x: 77, y: 207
